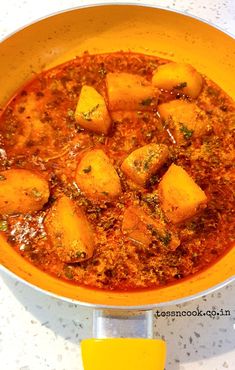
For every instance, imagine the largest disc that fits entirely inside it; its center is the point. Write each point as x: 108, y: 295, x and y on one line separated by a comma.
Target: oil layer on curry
x: 117, y: 171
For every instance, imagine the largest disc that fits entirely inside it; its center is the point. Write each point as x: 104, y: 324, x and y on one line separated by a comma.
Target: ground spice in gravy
x: 39, y: 133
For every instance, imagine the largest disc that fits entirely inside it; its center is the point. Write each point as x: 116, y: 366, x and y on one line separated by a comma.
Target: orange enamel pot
x: 99, y: 29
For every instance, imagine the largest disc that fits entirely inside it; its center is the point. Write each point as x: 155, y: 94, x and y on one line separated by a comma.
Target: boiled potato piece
x: 69, y: 231
x: 185, y: 120
x: 22, y: 191
x: 134, y: 227
x: 144, y: 229
x: 97, y: 177
x: 142, y: 163
x: 180, y: 76
x: 181, y: 198
x: 91, y: 112
x: 127, y: 91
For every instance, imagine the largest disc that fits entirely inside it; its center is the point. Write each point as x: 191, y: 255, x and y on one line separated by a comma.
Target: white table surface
x: 42, y: 333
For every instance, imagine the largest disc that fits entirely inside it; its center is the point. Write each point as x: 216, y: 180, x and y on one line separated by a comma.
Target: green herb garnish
x: 151, y: 199
x: 110, y: 223
x: 147, y: 163
x: 21, y: 109
x: 137, y: 164
x: 186, y: 131
x: 87, y: 115
x: 165, y: 239
x: 36, y: 193
x: 146, y: 102
x: 180, y: 86
x: 211, y: 91
x: 3, y: 225
x: 102, y: 71
x: 70, y: 113
x: 105, y: 193
x: 80, y: 254
x: 87, y: 169
x: 191, y: 226
x: 68, y: 272
x: 2, y: 178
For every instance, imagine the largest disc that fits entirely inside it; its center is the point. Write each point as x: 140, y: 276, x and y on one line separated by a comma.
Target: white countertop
x: 42, y: 333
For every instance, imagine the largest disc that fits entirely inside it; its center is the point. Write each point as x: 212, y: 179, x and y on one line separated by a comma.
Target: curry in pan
x: 117, y: 171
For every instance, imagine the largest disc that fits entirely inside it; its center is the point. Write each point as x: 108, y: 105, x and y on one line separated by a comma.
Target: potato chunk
x: 181, y: 198
x: 91, y: 112
x: 144, y: 229
x: 127, y: 91
x: 185, y: 120
x: 134, y: 227
x: 22, y: 191
x: 97, y: 177
x: 180, y: 76
x: 142, y: 163
x: 69, y: 231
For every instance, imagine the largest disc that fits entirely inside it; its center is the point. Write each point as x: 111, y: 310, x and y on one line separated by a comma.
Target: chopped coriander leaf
x: 68, y: 272
x: 138, y: 164
x: 80, y: 254
x: 186, y: 131
x: 146, y: 102
x: 36, y: 193
x: 3, y: 225
x: 102, y: 71
x: 109, y: 223
x: 151, y: 199
x: 21, y: 109
x: 105, y: 193
x: 191, y: 226
x: 70, y: 113
x: 180, y: 85
x: 87, y: 169
x: 165, y: 239
x: 148, y: 161
x: 101, y: 139
x: 87, y: 115
x: 211, y: 91
x: 2, y: 178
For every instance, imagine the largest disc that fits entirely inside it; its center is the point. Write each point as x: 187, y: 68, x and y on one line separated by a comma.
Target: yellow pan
x: 101, y: 29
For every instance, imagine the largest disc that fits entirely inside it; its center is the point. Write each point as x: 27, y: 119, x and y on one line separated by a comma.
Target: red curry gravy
x: 39, y: 133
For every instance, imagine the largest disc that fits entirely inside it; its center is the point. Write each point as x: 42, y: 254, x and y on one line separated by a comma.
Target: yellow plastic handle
x: 123, y: 354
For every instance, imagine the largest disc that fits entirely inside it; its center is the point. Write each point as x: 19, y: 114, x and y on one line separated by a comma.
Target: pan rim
x: 108, y: 4
x: 144, y: 307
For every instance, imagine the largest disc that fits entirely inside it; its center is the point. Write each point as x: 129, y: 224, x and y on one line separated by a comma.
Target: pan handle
x: 123, y: 342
